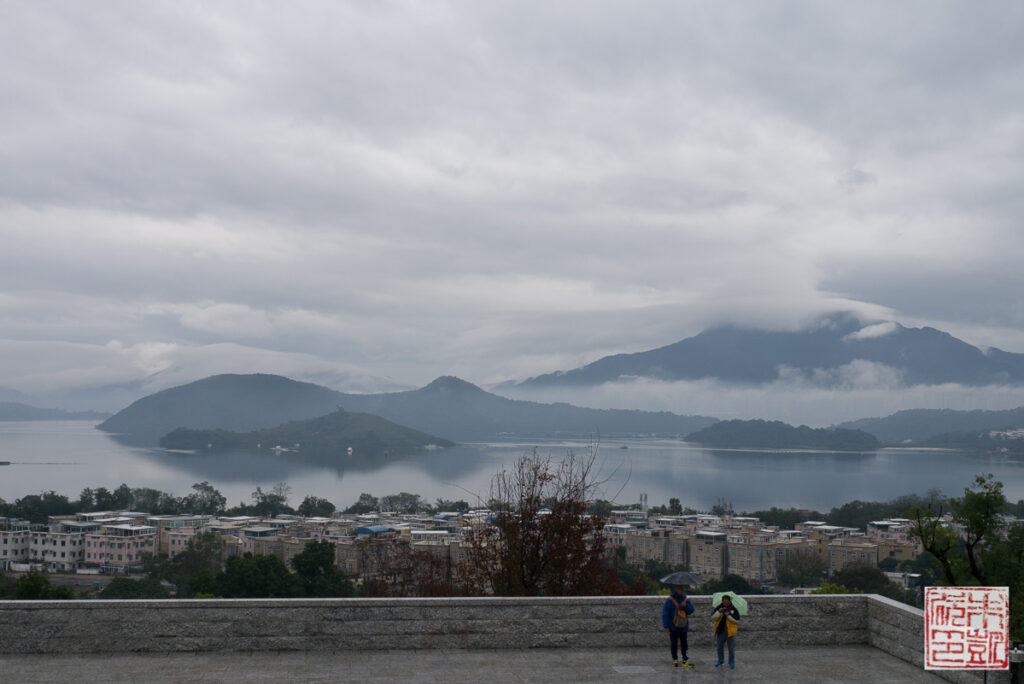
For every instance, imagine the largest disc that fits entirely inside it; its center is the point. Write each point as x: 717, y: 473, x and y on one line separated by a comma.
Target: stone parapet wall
x: 68, y: 627
x: 898, y: 629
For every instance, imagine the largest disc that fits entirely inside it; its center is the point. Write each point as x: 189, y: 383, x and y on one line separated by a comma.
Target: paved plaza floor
x: 813, y: 664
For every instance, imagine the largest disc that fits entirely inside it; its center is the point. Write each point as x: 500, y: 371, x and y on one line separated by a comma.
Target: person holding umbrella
x: 675, y: 619
x: 726, y: 614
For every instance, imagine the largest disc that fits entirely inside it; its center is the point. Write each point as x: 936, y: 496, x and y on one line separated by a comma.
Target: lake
x: 72, y: 455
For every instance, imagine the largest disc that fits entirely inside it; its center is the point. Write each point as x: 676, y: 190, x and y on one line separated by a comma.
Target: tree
x: 205, y: 500
x: 980, y: 513
x: 313, y: 506
x: 127, y: 588
x: 730, y: 582
x: 542, y: 541
x: 404, y: 502
x: 122, y: 498
x: 320, y: 576
x: 975, y: 545
x: 367, y: 503
x: 964, y: 554
x: 274, y: 502
x: 194, y: 570
x: 36, y: 586
x: 888, y: 565
x: 38, y: 508
x: 250, y: 576
x: 104, y: 500
x: 937, y: 537
x: 785, y: 518
x: 155, y: 502
x: 866, y: 579
x: 87, y: 500
x: 398, y: 569
x: 802, y: 570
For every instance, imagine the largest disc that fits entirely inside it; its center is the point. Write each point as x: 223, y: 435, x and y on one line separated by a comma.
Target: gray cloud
x: 403, y: 191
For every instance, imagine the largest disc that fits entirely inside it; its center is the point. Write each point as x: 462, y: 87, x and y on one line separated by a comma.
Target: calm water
x: 69, y: 456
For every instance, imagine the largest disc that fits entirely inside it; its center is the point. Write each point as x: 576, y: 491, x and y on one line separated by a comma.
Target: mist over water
x: 69, y: 456
x: 791, y: 400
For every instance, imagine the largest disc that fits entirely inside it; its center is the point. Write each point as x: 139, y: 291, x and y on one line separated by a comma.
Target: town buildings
x: 709, y: 545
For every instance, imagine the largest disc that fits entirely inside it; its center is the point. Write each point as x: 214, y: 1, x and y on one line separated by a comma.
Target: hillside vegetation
x: 778, y: 435
x: 331, y: 434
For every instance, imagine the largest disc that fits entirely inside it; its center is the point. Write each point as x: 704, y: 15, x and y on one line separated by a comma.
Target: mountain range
x: 818, y: 355
x: 448, y: 407
x: 917, y: 426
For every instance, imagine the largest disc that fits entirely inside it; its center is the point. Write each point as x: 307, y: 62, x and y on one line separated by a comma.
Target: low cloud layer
x: 381, y: 193
x: 795, y: 400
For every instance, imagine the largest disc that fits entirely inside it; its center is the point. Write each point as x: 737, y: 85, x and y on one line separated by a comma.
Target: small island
x: 337, y: 434
x: 774, y: 434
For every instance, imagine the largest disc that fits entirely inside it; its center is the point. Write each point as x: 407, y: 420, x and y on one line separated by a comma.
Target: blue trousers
x: 720, y: 641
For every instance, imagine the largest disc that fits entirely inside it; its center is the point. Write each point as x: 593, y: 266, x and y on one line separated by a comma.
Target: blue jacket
x: 668, y: 613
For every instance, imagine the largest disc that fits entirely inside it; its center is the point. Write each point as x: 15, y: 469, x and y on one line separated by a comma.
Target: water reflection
x: 662, y: 469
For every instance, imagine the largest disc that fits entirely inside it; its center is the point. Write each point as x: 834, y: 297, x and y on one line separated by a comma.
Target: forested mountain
x: 741, y: 434
x: 743, y: 355
x: 448, y: 407
x: 918, y: 426
x: 332, y: 434
x: 12, y: 410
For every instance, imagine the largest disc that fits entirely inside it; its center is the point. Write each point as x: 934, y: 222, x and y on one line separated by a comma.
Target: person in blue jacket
x: 675, y: 619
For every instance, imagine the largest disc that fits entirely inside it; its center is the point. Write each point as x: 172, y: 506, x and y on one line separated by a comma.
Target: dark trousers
x: 677, y: 640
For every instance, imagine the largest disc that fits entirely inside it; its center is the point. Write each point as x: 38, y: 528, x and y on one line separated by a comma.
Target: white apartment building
x: 60, y: 546
x: 120, y: 548
x: 15, y: 542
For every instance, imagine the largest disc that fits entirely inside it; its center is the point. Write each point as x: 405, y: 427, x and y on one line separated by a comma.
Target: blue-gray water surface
x: 69, y: 456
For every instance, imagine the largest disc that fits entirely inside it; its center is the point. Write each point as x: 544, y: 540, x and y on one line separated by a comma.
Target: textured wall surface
x: 519, y: 623
x: 898, y: 629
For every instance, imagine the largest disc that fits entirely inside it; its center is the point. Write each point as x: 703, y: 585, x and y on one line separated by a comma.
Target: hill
x: 453, y: 407
x: 237, y: 403
x: 918, y: 426
x: 332, y: 434
x: 11, y: 410
x: 742, y: 355
x: 740, y: 434
x: 448, y: 407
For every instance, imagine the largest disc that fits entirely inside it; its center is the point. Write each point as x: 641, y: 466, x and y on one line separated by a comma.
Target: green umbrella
x: 738, y: 601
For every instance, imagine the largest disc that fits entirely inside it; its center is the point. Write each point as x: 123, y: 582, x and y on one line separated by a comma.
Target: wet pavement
x: 810, y: 664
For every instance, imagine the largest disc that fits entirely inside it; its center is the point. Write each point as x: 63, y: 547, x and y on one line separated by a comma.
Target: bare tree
x: 541, y: 542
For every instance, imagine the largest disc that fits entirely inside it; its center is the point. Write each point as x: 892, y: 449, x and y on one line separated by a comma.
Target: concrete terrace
x: 823, y: 638
x: 457, y: 666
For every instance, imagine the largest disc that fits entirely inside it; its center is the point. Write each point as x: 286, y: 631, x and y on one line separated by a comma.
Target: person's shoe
x: 732, y: 666
x: 718, y: 664
x: 675, y: 663
x: 686, y: 663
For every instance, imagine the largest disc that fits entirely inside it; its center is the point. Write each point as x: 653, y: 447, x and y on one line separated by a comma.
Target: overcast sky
x: 372, y: 194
